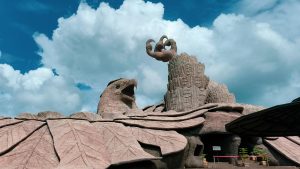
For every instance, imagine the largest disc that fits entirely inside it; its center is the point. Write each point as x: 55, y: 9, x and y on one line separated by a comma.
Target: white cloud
x: 248, y: 53
x: 35, y: 91
x: 282, y: 15
x: 252, y: 7
x: 252, y: 52
x: 95, y: 46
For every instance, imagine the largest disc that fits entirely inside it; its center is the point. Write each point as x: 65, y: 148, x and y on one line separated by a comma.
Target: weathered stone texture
x: 120, y: 143
x: 169, y: 125
x: 117, y: 99
x: 49, y: 115
x: 193, y: 151
x: 192, y: 114
x: 86, y: 116
x: 186, y: 84
x: 36, y: 152
x: 78, y: 144
x: 168, y: 141
x: 13, y: 134
x: 40, y: 116
x: 27, y: 116
x: 218, y: 93
x: 248, y: 108
x: 5, y: 122
x: 215, y: 122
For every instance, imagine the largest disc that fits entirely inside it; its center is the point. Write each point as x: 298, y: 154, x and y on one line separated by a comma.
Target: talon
x: 172, y: 43
x: 149, y: 47
x: 160, y: 44
x: 163, y: 37
x: 159, y: 51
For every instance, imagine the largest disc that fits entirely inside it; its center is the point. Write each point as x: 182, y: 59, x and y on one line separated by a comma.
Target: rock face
x: 186, y: 84
x: 189, y: 88
x: 218, y: 93
x: 37, y: 147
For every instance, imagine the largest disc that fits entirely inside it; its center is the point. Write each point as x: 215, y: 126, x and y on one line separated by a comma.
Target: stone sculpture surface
x: 34, y: 152
x: 90, y: 140
x: 169, y: 135
x: 160, y: 53
x: 117, y: 99
x: 189, y: 88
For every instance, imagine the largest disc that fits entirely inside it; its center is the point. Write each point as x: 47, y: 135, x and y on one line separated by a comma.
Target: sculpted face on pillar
x: 117, y: 99
x: 160, y: 52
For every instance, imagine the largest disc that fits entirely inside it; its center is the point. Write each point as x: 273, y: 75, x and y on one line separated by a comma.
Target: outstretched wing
x: 83, y: 140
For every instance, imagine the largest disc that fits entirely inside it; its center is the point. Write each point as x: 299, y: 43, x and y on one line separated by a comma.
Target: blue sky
x: 23, y: 18
x: 59, y: 55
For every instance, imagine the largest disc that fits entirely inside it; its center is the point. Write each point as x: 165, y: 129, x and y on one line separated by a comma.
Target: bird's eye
x: 117, y: 86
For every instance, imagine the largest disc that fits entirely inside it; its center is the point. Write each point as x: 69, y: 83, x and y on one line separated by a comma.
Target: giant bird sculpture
x: 170, y: 135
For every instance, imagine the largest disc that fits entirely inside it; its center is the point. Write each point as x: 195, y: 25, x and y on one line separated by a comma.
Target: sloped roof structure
x: 280, y: 120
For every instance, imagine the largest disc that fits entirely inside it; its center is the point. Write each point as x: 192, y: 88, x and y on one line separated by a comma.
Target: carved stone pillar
x: 193, y: 151
x: 186, y: 83
x: 232, y: 143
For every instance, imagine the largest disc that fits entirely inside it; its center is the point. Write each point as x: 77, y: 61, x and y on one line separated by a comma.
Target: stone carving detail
x: 121, y: 145
x: 248, y: 109
x: 170, y: 125
x: 187, y: 84
x: 13, y: 134
x: 82, y: 144
x: 49, y: 115
x: 42, y: 116
x: 191, y: 115
x: 232, y: 147
x: 218, y: 93
x: 87, y: 116
x: 5, y: 122
x: 120, y: 134
x: 27, y: 116
x: 78, y: 144
x: 117, y: 99
x: 160, y: 53
x: 193, y: 152
x: 215, y: 122
x: 168, y: 141
x: 36, y: 152
x: 172, y: 113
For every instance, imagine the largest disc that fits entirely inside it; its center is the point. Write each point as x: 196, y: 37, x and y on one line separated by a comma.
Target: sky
x: 59, y: 55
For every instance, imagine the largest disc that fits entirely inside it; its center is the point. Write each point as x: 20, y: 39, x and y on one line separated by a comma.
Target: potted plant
x: 257, y: 151
x: 264, y: 161
x: 252, y: 156
x: 243, y: 152
x: 260, y: 152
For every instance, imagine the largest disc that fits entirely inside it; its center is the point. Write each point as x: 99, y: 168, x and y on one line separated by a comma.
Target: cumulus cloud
x: 254, y: 58
x: 282, y: 15
x: 35, y: 91
x: 253, y: 7
x: 249, y: 53
x: 249, y: 50
x: 95, y: 46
